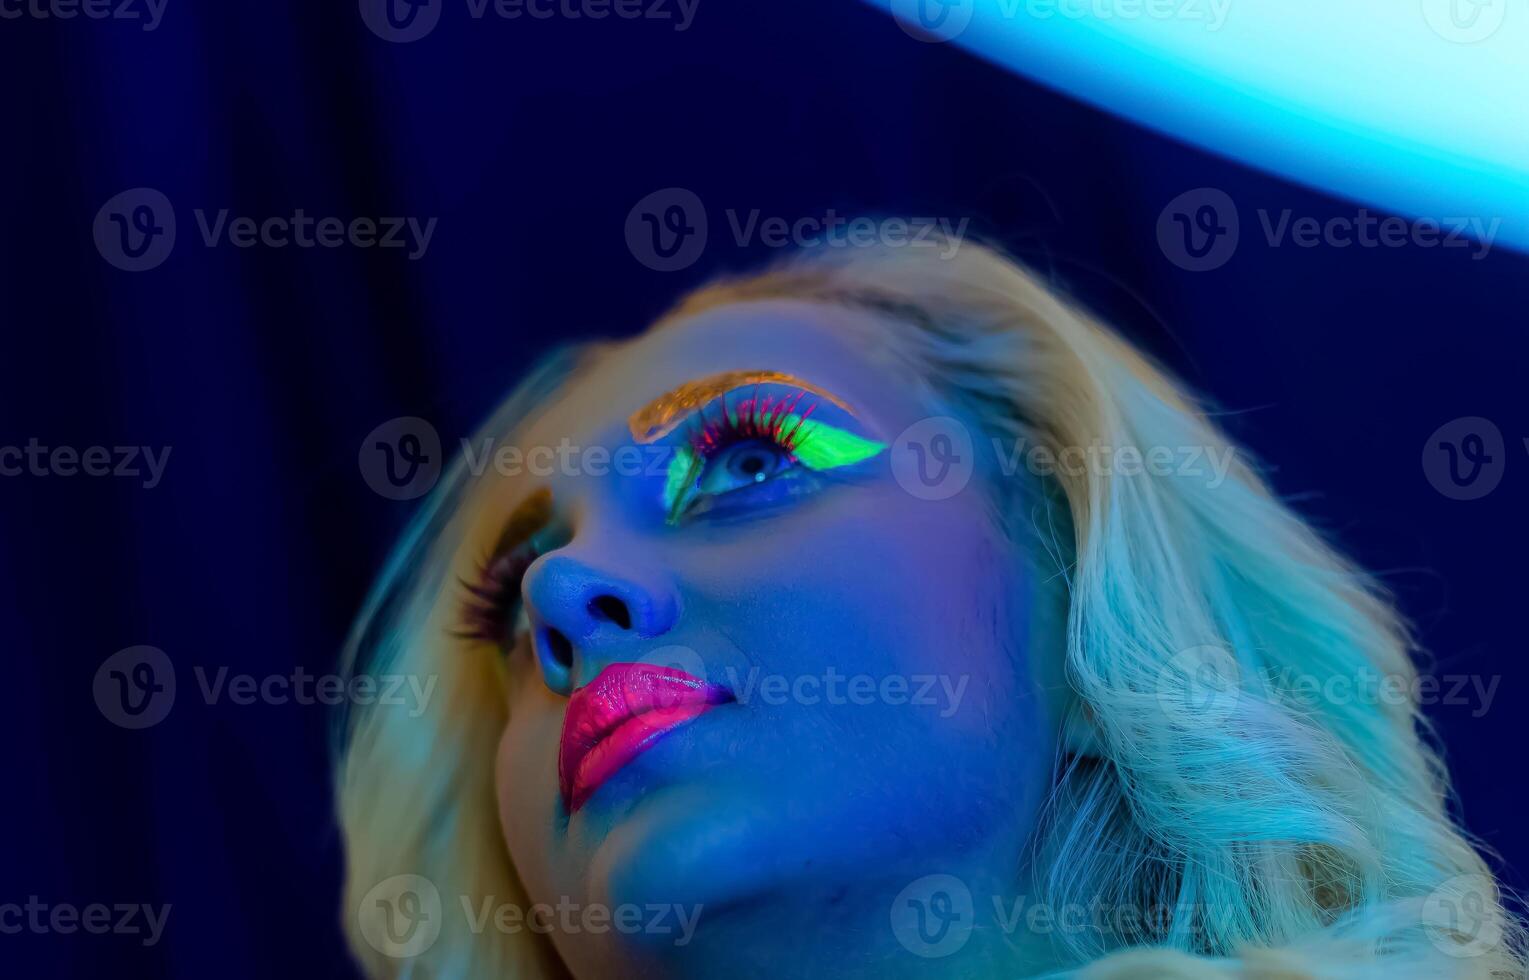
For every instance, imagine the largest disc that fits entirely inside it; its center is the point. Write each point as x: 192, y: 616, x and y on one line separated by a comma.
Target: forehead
x: 839, y: 349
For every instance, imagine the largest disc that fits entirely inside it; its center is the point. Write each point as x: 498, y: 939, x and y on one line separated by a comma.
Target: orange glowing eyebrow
x: 663, y: 414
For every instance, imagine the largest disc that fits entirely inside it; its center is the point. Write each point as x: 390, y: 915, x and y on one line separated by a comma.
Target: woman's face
x: 757, y: 686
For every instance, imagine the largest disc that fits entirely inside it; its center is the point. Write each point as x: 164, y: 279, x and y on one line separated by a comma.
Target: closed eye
x: 490, y: 609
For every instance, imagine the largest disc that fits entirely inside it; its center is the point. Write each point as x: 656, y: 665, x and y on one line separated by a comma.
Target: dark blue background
x: 531, y: 141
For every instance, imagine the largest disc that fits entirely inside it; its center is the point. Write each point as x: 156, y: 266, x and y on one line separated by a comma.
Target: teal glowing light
x: 1419, y: 107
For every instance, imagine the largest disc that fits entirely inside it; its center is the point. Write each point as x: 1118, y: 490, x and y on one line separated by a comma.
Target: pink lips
x: 619, y: 715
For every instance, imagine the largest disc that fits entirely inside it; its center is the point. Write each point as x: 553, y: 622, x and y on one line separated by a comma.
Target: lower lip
x: 633, y: 737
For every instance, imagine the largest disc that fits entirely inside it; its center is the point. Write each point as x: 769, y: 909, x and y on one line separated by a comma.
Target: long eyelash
x: 755, y: 417
x: 489, y: 598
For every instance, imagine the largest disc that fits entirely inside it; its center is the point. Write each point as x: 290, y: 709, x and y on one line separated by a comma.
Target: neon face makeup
x: 621, y: 714
x: 754, y: 439
x: 703, y: 740
x: 740, y: 439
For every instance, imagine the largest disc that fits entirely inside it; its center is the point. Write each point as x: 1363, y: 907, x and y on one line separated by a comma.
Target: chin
x: 695, y: 844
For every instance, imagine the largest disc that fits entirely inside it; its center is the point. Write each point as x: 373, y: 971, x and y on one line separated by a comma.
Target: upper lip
x: 628, y: 706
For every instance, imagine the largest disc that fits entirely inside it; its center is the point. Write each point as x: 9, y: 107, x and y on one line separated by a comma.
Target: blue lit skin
x: 793, y: 824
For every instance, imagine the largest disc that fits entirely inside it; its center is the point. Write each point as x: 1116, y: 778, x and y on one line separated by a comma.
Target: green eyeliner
x: 820, y: 446
x: 684, y: 471
x: 815, y: 445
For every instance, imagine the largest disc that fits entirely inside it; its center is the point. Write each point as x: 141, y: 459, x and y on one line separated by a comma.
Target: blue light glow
x: 1419, y: 107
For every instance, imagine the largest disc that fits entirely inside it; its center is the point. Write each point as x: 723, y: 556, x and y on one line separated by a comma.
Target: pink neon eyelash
x: 484, y: 613
x: 755, y: 417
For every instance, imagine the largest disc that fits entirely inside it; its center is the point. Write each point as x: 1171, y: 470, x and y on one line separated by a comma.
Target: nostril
x: 558, y: 646
x: 611, y: 609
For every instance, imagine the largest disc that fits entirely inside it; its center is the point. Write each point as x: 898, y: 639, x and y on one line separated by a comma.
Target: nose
x: 584, y: 613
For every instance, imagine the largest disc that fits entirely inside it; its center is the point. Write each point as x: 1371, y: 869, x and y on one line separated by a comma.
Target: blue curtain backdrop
x: 262, y: 369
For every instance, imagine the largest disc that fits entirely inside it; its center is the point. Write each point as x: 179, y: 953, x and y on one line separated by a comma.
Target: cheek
x: 885, y: 585
x: 525, y: 777
x: 922, y: 605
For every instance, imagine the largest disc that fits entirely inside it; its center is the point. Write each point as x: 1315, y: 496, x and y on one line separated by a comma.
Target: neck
x: 966, y: 924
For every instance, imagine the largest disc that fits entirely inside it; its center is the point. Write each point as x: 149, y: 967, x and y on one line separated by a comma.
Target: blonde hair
x: 1282, y: 836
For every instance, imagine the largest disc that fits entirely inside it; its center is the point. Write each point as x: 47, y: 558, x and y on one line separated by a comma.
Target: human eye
x: 490, y: 610
x: 744, y: 464
x: 756, y: 445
